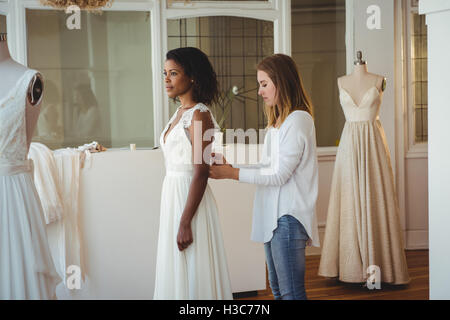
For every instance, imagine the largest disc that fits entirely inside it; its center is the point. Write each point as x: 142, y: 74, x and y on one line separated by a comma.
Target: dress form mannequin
x: 363, y: 226
x: 10, y: 72
x: 30, y: 271
x: 360, y: 80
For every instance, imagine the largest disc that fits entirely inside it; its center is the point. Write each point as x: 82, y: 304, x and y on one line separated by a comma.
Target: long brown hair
x: 290, y: 93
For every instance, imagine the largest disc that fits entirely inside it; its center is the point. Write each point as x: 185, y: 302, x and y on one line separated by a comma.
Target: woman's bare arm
x: 201, y: 122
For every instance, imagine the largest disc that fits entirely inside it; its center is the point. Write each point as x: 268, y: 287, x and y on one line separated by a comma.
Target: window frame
x: 414, y: 149
x: 17, y: 42
x: 276, y: 11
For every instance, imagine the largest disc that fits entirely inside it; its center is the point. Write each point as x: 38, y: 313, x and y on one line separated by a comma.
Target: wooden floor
x: 320, y: 288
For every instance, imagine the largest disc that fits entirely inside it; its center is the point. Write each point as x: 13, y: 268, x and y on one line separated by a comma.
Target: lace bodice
x: 13, y: 132
x: 177, y: 148
x: 367, y: 110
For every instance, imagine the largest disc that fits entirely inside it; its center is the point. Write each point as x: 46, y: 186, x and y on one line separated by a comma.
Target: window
x: 104, y: 81
x: 234, y: 45
x: 2, y: 24
x: 318, y: 48
x: 419, y: 73
x: 98, y: 79
x: 416, y: 65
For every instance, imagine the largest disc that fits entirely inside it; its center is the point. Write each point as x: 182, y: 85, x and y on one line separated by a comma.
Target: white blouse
x: 287, y: 178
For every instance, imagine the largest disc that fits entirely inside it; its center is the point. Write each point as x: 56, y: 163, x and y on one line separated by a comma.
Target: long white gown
x: 26, y: 266
x: 200, y: 271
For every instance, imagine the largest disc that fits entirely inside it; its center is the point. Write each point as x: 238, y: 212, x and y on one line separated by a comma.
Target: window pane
x: 234, y: 45
x: 419, y: 63
x: 318, y: 48
x: 98, y: 79
x: 2, y: 24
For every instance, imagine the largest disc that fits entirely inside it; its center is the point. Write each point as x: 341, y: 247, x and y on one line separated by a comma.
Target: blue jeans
x: 285, y: 257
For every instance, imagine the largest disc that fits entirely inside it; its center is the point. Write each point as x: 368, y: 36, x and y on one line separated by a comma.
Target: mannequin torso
x: 11, y: 72
x: 360, y: 81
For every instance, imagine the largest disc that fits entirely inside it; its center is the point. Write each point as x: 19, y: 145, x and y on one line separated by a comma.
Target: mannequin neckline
x: 360, y: 70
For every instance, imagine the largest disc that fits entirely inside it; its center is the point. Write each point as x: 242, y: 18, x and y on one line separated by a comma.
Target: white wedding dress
x: 26, y: 266
x: 200, y: 271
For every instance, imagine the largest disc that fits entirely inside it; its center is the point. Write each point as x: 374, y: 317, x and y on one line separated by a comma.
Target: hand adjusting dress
x: 363, y: 227
x: 26, y: 266
x: 200, y: 271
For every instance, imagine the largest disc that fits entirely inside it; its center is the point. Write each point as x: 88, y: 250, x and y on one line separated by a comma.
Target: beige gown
x: 363, y: 226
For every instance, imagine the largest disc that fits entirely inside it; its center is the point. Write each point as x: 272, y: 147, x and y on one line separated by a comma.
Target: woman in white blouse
x: 286, y: 177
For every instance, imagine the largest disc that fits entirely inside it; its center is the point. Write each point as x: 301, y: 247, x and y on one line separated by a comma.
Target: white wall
x: 438, y: 22
x: 416, y: 203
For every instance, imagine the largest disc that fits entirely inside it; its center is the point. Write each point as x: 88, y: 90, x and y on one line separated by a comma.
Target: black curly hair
x: 197, y: 66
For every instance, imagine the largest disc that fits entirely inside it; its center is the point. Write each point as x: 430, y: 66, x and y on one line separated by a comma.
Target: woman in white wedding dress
x: 191, y: 260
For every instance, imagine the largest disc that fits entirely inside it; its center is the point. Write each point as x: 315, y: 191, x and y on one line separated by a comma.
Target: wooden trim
x: 416, y: 239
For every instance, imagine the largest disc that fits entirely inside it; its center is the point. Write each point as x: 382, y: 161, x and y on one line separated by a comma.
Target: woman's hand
x: 224, y: 171
x: 184, y: 237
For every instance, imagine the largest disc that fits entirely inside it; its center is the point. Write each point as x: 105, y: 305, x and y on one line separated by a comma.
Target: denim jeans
x: 285, y: 257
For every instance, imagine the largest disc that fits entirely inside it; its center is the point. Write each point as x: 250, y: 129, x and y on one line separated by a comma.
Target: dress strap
x: 186, y: 118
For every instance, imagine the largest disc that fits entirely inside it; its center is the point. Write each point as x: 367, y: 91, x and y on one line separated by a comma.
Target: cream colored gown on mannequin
x: 200, y: 271
x: 363, y: 226
x: 26, y: 266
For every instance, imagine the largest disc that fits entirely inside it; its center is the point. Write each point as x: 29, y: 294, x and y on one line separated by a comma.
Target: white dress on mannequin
x: 26, y: 266
x: 200, y: 271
